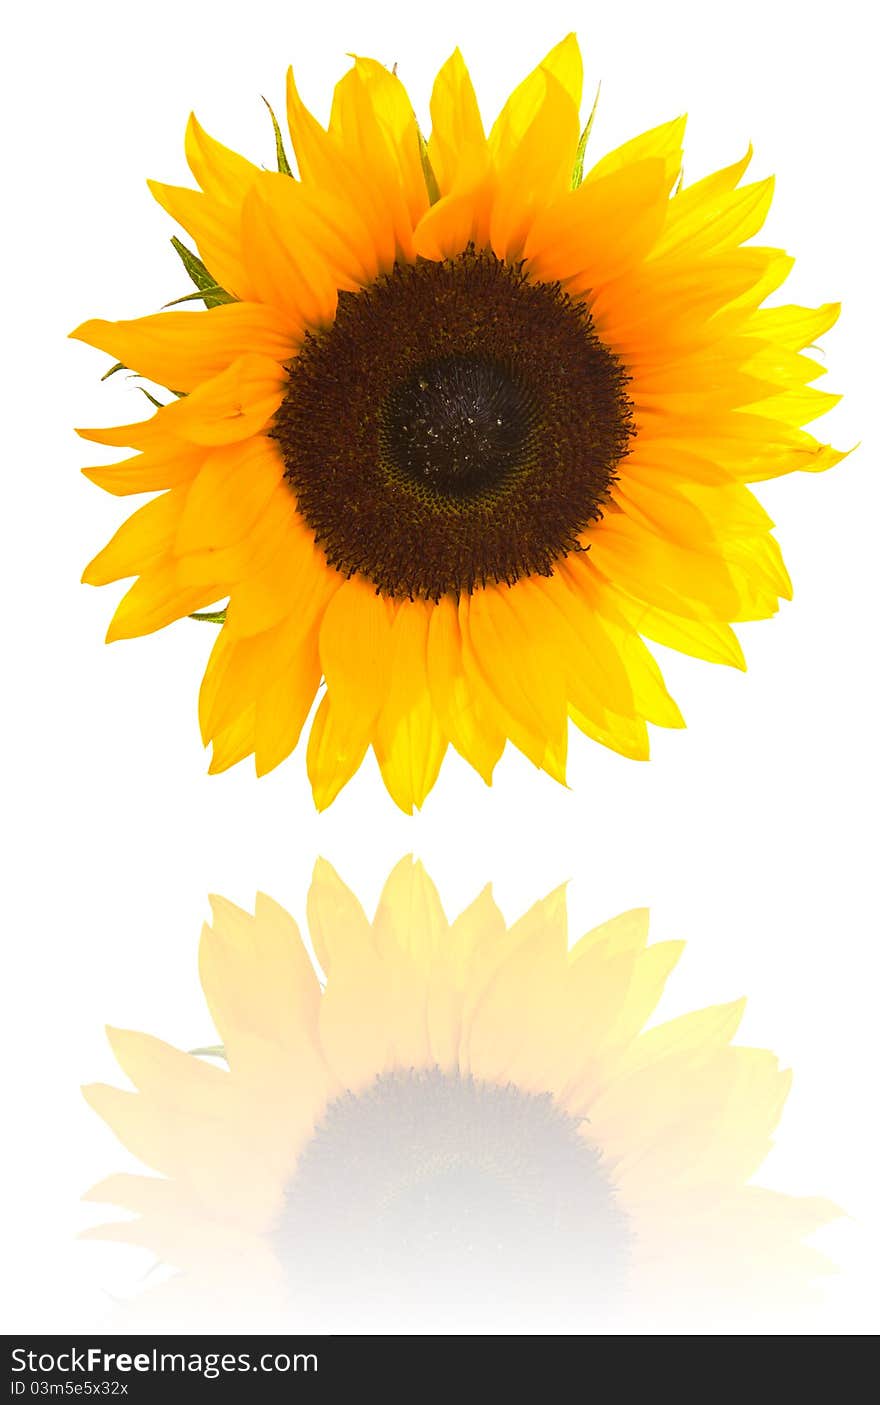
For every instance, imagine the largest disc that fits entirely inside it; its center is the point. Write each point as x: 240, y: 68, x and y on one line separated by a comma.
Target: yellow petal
x: 594, y: 669
x: 601, y: 228
x: 664, y: 141
x: 284, y: 269
x: 275, y: 673
x: 515, y: 672
x: 464, y: 722
x: 719, y: 222
x: 169, y: 465
x: 701, y: 639
x: 667, y: 308
x: 333, y: 755
x: 691, y: 514
x: 234, y: 742
x: 239, y: 563
x: 798, y: 406
x: 726, y: 585
x: 233, y: 406
x: 157, y: 598
x: 539, y: 170
x: 216, y: 230
x: 564, y: 65
x: 628, y: 736
x: 232, y: 488
x: 794, y: 326
x: 649, y: 693
x: 692, y: 198
x: 282, y: 709
x: 456, y: 221
x: 366, y: 113
x: 355, y: 646
x: 397, y: 121
x: 143, y: 434
x: 221, y: 173
x: 182, y: 349
x: 457, y: 146
x: 286, y: 577
x: 142, y: 539
x: 408, y: 742
x: 324, y: 165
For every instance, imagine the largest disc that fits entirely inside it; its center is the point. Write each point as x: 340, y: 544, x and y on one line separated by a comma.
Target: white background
x: 752, y: 835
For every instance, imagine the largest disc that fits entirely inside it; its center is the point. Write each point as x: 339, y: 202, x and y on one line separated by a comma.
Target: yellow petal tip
x: 88, y: 332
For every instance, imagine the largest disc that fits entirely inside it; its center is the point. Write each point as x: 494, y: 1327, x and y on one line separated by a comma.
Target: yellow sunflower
x: 456, y: 427
x: 464, y: 1125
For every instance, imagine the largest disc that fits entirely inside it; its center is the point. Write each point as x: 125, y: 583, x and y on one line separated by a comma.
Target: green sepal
x: 280, y: 153
x: 212, y: 296
x: 431, y: 185
x: 192, y: 263
x: 210, y: 616
x: 214, y: 1051
x: 577, y: 175
x: 209, y: 290
x: 120, y: 366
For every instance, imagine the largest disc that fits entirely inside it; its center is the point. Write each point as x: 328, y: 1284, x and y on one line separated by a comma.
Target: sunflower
x: 465, y: 1124
x: 457, y: 426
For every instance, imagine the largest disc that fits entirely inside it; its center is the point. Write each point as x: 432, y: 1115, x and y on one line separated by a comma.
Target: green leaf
x: 577, y: 175
x: 280, y: 153
x: 210, y: 291
x: 213, y: 296
x: 210, y: 616
x: 428, y: 172
x: 113, y: 369
x: 152, y: 399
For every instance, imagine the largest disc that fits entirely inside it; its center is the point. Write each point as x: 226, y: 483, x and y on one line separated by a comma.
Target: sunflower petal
x: 182, y: 349
x: 457, y: 145
x: 602, y: 228
x: 468, y: 727
x: 408, y: 742
x: 232, y: 406
x: 221, y: 173
x: 216, y: 231
x: 664, y: 142
x: 143, y: 539
x: 526, y: 105
x: 355, y: 645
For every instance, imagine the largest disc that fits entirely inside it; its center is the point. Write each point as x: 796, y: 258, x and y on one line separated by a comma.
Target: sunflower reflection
x: 466, y: 1127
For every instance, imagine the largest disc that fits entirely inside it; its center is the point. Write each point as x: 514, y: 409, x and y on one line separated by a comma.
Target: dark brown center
x: 456, y: 426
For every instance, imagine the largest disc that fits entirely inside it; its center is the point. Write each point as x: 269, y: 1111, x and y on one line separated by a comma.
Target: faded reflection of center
x: 433, y: 1194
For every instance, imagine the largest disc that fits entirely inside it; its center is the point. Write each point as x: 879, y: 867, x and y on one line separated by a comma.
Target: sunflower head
x: 456, y: 429
x: 460, y: 1126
